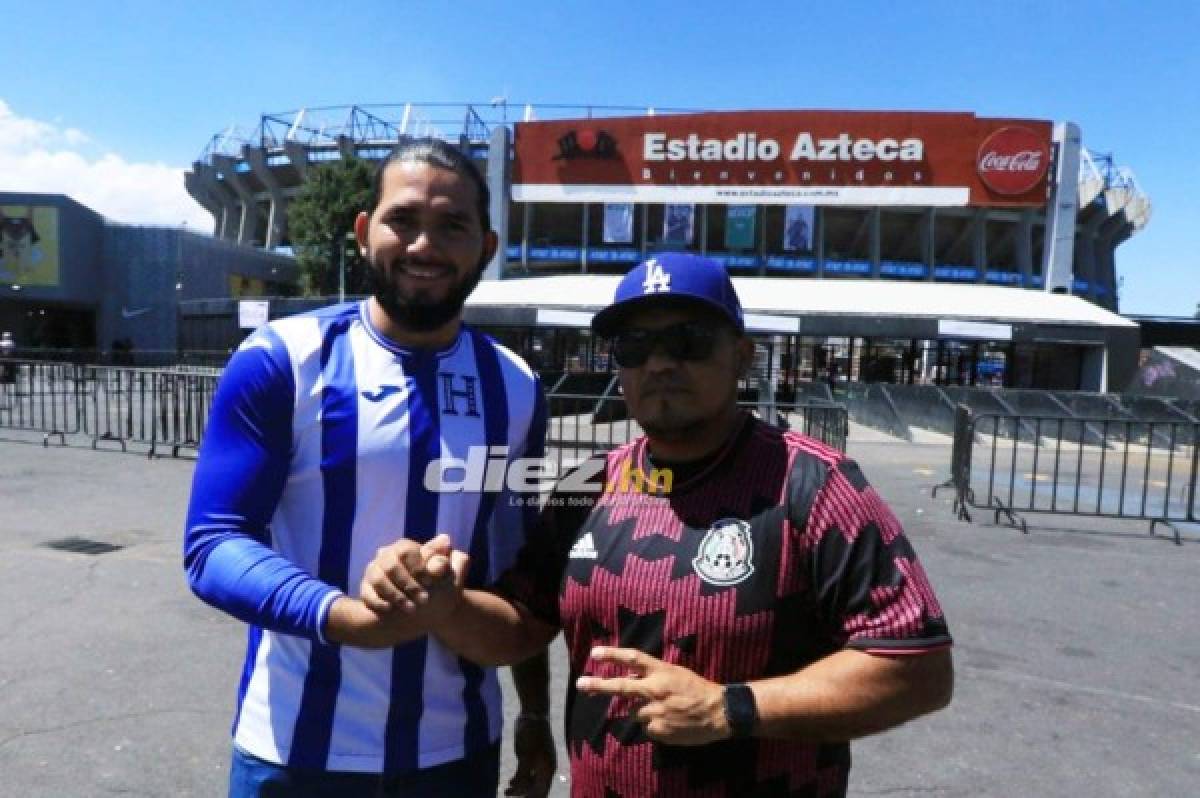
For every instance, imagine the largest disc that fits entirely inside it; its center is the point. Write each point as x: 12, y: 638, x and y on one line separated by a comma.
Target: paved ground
x: 1077, y: 653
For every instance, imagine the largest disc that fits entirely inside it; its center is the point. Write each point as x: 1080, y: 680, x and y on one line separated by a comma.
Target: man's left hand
x: 677, y: 706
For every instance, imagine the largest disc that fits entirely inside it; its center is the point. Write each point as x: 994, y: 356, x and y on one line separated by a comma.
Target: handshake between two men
x: 414, y: 588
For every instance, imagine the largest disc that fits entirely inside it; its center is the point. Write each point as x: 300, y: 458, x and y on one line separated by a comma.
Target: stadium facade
x: 888, y: 246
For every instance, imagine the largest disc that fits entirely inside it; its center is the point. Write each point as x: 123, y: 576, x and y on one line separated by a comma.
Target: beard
x: 418, y: 310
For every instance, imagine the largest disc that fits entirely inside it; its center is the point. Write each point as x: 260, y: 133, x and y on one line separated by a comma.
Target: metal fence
x: 165, y: 409
x: 1094, y: 466
x: 168, y: 409
x: 580, y: 425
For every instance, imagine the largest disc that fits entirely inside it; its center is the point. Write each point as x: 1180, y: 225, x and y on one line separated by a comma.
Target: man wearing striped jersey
x: 320, y: 438
x: 737, y: 611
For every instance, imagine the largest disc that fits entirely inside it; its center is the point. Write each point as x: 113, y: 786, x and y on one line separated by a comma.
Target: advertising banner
x: 618, y: 222
x: 29, y: 245
x: 678, y: 224
x: 798, y: 228
x: 739, y: 227
x: 786, y: 157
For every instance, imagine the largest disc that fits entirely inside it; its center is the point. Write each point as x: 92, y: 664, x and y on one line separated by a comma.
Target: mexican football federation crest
x: 726, y: 555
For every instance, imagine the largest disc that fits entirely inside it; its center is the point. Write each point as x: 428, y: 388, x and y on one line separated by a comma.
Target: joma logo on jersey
x: 488, y: 469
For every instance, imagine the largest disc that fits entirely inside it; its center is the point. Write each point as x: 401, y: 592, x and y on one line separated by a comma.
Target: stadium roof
x: 772, y: 297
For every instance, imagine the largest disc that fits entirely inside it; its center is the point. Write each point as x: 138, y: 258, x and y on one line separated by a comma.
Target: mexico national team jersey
x: 774, y: 554
x: 318, y: 452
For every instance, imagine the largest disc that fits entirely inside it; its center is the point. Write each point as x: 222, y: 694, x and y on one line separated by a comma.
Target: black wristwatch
x: 740, y: 710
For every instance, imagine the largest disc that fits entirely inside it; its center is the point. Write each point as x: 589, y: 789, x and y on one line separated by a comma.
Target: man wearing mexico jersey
x: 316, y: 454
x: 738, y: 603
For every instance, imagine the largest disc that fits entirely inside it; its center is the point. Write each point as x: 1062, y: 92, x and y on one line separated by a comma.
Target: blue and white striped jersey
x: 315, y: 456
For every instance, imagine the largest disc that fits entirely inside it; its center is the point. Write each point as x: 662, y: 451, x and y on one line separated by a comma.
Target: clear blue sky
x: 150, y: 81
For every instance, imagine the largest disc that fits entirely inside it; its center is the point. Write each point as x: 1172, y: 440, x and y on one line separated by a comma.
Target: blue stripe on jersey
x: 420, y: 523
x: 253, y: 640
x: 495, y: 423
x: 339, y: 454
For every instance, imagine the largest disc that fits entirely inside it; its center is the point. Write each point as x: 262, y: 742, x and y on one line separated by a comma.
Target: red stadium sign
x: 1013, y: 160
x: 784, y: 157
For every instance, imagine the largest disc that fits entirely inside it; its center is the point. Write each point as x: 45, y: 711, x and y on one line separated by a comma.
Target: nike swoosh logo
x: 383, y: 392
x: 126, y: 313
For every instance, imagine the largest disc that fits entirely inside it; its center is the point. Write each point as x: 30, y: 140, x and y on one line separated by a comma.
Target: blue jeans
x: 477, y: 775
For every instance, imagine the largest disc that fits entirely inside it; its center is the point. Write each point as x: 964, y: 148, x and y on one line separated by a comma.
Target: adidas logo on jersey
x: 584, y: 548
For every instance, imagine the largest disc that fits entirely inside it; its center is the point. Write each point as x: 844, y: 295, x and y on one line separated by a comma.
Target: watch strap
x: 741, y: 711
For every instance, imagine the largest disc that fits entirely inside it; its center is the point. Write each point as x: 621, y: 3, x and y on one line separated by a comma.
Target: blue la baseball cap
x: 672, y: 278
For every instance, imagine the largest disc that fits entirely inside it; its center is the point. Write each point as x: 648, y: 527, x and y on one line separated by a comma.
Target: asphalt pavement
x: 1076, y: 646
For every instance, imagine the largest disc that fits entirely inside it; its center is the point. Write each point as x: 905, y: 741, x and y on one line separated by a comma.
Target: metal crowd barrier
x: 580, y: 425
x: 160, y: 408
x: 1103, y: 467
x: 43, y: 397
x: 164, y: 408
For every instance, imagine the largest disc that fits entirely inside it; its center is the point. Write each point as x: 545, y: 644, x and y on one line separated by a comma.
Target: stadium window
x: 1039, y: 248
x: 952, y: 239
x: 847, y: 235
x: 516, y: 223
x: 1001, y: 243
x: 556, y: 236
x: 900, y: 234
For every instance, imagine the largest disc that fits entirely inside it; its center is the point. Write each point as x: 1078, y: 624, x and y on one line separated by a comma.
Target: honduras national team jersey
x: 316, y: 454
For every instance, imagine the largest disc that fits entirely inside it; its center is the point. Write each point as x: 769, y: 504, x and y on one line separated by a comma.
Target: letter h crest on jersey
x: 456, y: 387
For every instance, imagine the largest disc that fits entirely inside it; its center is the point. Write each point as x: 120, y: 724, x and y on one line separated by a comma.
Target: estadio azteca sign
x: 781, y: 157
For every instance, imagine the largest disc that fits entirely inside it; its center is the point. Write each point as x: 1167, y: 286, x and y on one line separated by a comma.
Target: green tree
x: 320, y: 218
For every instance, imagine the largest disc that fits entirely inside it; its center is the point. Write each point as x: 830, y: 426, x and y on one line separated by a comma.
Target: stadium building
x: 869, y: 246
x: 73, y: 281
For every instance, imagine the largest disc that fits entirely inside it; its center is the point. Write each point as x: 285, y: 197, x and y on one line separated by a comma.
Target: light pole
x: 342, y: 241
x: 341, y: 270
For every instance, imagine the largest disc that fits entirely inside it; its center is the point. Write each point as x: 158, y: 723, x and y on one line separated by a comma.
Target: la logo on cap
x: 657, y: 280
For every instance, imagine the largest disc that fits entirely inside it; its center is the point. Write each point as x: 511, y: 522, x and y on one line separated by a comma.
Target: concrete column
x: 1115, y: 230
x: 498, y: 175
x: 250, y: 214
x: 298, y: 156
x: 1023, y: 247
x: 874, y: 234
x: 1062, y: 209
x: 819, y: 240
x: 277, y: 215
x: 226, y: 221
x: 346, y: 147
x: 979, y: 243
x: 1085, y: 256
x: 583, y: 241
x: 928, y: 241
x: 199, y: 192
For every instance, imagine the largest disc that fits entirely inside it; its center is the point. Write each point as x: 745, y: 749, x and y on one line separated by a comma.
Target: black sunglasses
x: 689, y: 340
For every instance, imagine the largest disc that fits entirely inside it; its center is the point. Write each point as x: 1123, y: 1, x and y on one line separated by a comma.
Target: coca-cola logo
x: 1013, y: 160
x: 586, y: 144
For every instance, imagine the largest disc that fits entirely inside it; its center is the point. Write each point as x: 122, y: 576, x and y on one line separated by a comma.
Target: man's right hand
x: 421, y: 579
x: 406, y: 591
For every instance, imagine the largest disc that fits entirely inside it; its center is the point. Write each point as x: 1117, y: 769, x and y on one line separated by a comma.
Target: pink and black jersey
x: 774, y: 554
